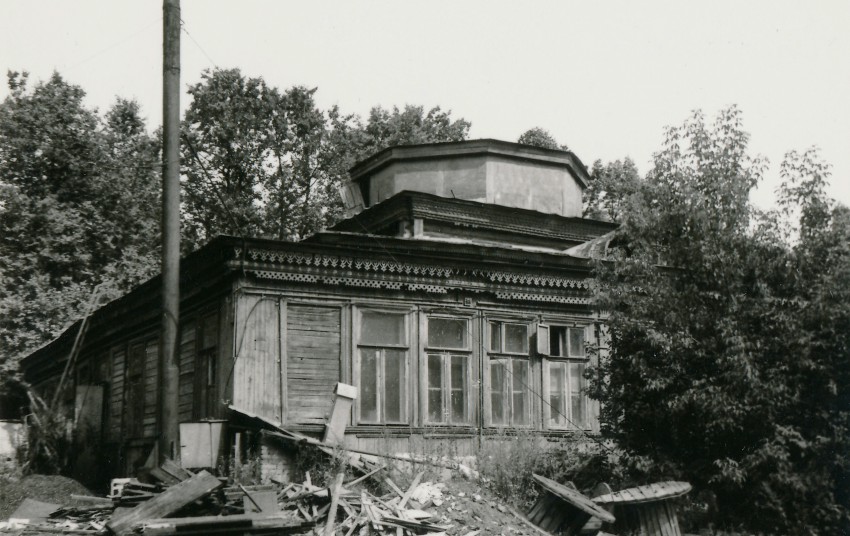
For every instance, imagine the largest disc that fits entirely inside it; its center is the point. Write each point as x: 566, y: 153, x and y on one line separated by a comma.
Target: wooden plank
x: 648, y: 493
x: 275, y: 523
x: 411, y: 489
x: 167, y: 502
x: 574, y: 498
x: 337, y: 486
x: 170, y: 467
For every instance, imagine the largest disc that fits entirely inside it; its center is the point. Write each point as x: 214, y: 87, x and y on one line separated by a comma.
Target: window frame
x: 544, y: 349
x: 445, y: 355
x: 509, y: 358
x: 380, y: 372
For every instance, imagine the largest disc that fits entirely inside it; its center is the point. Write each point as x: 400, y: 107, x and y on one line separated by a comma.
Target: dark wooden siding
x: 151, y: 387
x: 116, y: 404
x: 312, y: 361
x: 187, y: 370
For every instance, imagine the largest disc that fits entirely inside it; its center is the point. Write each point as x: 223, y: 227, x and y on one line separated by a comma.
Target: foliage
x: 540, y: 137
x: 276, y: 160
x: 78, y: 206
x: 48, y: 446
x: 730, y: 337
x: 509, y: 460
x: 609, y: 188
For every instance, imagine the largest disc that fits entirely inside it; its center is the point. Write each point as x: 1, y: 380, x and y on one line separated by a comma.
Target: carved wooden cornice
x: 363, y: 272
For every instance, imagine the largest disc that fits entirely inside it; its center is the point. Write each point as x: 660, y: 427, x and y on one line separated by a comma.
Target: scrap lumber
x: 94, y: 501
x: 276, y: 523
x: 562, y: 509
x: 647, y: 509
x: 170, y: 467
x: 167, y: 502
x: 337, y: 486
x: 411, y: 489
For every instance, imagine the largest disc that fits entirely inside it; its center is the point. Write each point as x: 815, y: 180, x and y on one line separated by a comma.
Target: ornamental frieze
x: 333, y: 262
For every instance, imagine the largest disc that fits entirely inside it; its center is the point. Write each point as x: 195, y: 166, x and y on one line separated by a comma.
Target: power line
x: 204, y: 52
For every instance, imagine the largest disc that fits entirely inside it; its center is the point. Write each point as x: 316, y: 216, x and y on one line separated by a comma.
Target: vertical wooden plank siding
x: 134, y: 387
x: 151, y: 387
x: 313, y: 361
x: 187, y: 369
x: 116, y: 404
x: 226, y: 352
x: 256, y: 376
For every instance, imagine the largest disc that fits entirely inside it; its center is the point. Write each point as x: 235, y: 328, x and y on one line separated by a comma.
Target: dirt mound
x: 47, y: 488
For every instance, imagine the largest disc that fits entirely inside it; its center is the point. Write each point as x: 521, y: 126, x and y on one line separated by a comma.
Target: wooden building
x: 454, y: 298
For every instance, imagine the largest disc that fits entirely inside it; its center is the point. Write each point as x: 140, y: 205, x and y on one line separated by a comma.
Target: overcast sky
x: 602, y: 77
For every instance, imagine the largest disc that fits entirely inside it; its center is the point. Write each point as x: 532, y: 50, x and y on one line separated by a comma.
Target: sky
x: 603, y: 77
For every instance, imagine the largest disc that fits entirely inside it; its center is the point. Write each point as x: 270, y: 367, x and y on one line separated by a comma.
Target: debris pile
x: 186, y: 503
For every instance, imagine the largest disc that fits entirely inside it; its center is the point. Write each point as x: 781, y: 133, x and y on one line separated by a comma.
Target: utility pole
x: 169, y: 363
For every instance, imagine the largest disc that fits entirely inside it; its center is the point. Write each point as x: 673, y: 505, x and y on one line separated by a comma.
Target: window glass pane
x: 447, y: 333
x: 558, y: 341
x: 519, y: 391
x: 578, y: 400
x: 497, y: 394
x: 516, y: 338
x: 382, y: 328
x: 577, y: 342
x: 495, y: 337
x: 368, y: 395
x: 435, y: 388
x: 458, y: 403
x: 394, y: 386
x: 557, y: 394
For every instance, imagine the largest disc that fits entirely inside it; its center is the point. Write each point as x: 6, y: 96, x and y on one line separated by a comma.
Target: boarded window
x: 313, y: 356
x: 382, y: 368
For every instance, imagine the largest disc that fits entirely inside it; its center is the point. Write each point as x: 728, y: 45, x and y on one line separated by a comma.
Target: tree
x: 729, y: 344
x: 260, y: 162
x: 540, y: 137
x: 609, y: 189
x: 78, y: 201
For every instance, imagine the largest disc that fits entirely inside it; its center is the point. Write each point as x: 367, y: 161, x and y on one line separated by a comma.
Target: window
x: 509, y: 374
x: 449, y: 373
x: 382, y: 367
x: 564, y: 383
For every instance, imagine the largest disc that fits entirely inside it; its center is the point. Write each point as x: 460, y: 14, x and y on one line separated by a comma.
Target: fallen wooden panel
x: 167, y: 502
x: 277, y: 523
x: 574, y: 498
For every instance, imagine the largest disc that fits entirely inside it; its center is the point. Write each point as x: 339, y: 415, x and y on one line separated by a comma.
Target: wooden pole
x: 169, y: 363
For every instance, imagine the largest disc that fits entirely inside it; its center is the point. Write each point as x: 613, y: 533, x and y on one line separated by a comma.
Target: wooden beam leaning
x: 167, y: 502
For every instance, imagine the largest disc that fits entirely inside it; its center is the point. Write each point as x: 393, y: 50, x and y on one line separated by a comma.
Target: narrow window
x: 567, y: 389
x: 448, y: 362
x: 510, y: 374
x: 382, y: 367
